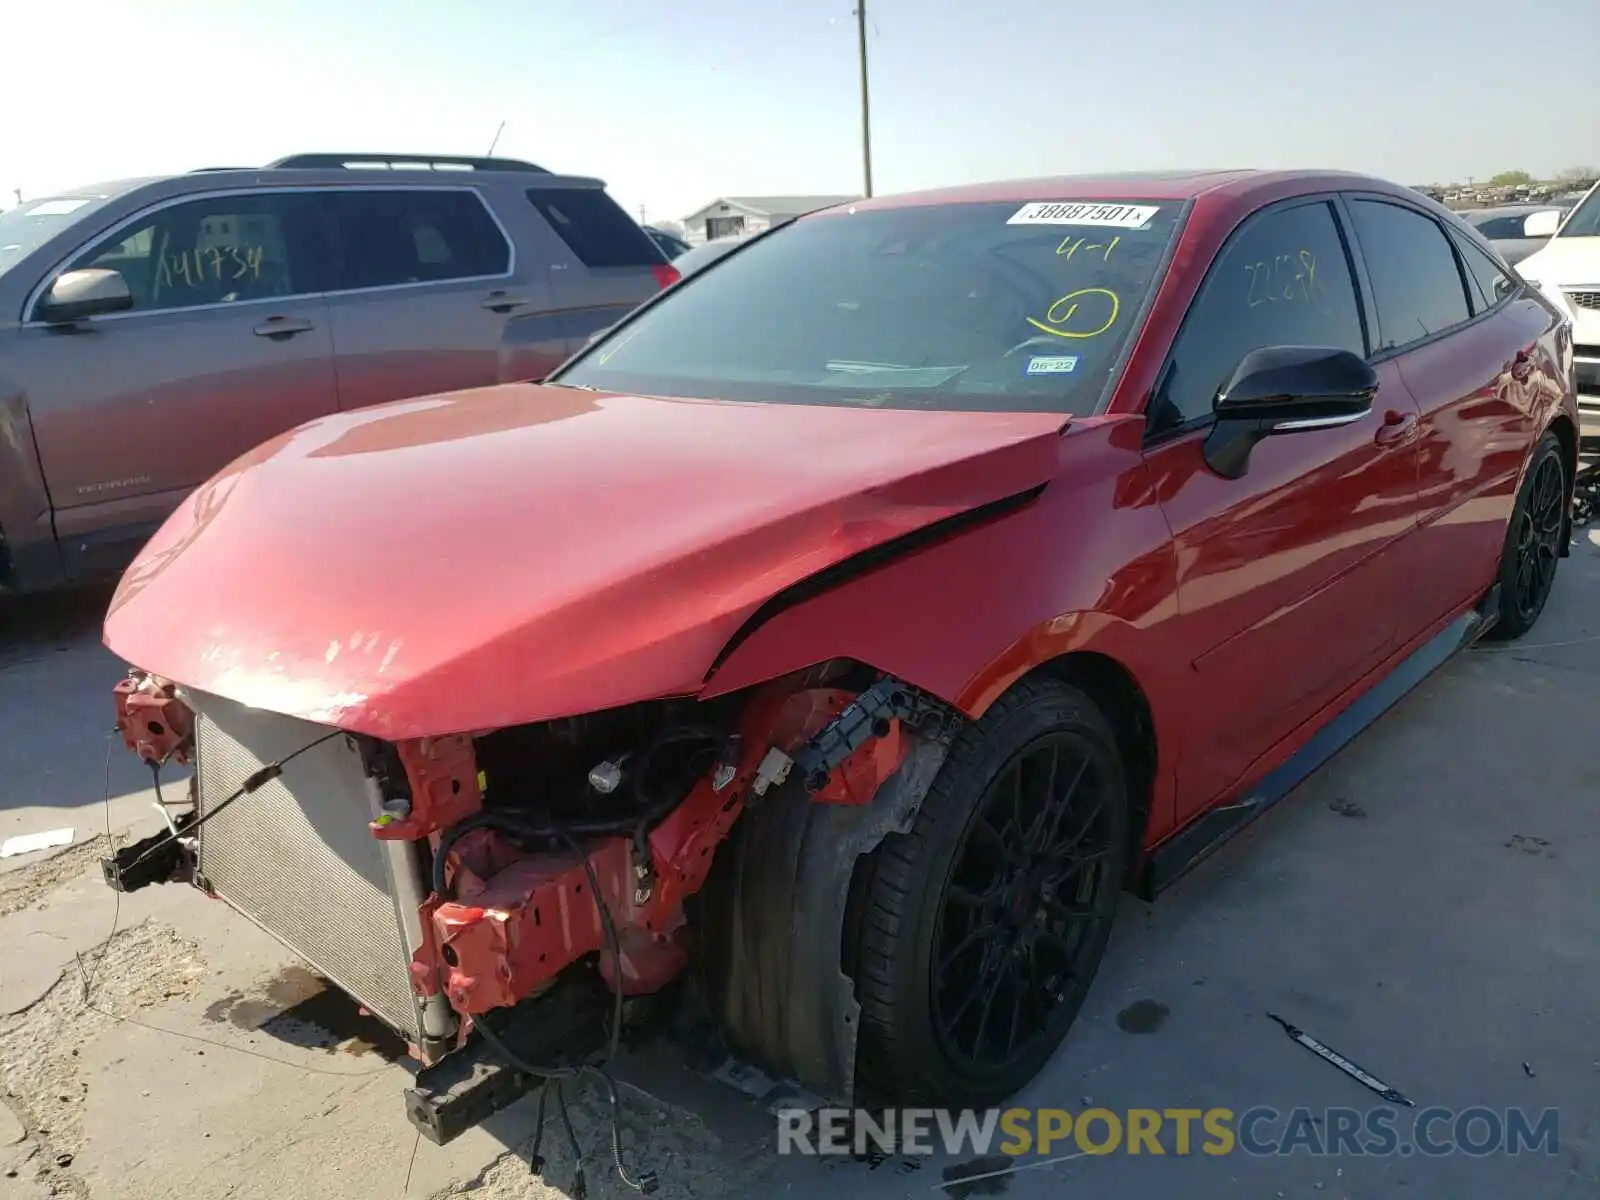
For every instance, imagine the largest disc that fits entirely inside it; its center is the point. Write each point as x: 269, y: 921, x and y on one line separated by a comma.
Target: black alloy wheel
x: 1539, y: 530
x: 1032, y: 891
x: 1533, y: 543
x: 974, y: 936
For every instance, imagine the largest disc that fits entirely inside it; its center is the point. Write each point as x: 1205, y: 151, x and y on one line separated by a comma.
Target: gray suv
x: 153, y: 330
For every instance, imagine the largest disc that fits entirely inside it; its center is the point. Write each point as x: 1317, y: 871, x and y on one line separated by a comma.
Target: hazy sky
x: 675, y: 102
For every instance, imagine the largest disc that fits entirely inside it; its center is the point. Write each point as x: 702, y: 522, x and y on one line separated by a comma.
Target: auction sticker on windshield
x: 1112, y: 216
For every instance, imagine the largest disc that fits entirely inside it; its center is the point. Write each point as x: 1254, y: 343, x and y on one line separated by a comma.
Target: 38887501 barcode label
x: 1061, y: 212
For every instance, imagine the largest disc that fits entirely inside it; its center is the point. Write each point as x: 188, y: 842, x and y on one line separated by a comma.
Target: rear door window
x: 594, y: 227
x: 1417, y: 286
x: 396, y: 236
x: 213, y: 250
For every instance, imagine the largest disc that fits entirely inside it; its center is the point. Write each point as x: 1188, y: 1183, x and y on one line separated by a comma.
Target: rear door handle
x: 282, y: 328
x: 1397, y: 427
x: 502, y: 302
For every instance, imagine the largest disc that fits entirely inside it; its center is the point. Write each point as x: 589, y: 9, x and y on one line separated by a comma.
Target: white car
x: 1567, y: 270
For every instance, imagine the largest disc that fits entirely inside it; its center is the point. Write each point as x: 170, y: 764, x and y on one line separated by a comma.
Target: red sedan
x: 853, y: 621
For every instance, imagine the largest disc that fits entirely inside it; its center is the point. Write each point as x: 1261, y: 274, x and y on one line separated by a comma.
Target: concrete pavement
x: 1426, y: 905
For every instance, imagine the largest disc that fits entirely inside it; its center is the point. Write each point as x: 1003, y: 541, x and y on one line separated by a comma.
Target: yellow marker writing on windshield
x: 1065, y: 311
x: 1071, y: 245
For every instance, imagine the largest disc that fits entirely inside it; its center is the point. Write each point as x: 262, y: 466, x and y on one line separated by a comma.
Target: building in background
x: 731, y: 216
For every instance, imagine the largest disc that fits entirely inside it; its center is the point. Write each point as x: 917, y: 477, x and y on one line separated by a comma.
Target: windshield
x: 23, y: 230
x: 1585, y: 222
x: 994, y: 306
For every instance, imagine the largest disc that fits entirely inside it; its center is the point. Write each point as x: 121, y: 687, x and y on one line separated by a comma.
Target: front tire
x: 1533, y: 540
x: 979, y: 931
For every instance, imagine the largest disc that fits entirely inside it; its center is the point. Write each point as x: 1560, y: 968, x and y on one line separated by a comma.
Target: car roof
x: 108, y: 190
x: 1142, y: 185
x: 1506, y: 210
x: 323, y: 171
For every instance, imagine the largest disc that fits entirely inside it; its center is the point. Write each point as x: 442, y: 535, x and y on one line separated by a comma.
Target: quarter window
x: 1283, y: 280
x: 1417, y: 286
x: 595, y: 228
x: 381, y: 238
x: 215, y: 250
x: 1490, y: 282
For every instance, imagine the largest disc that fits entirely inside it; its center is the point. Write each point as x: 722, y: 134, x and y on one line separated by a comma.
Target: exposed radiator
x: 295, y: 857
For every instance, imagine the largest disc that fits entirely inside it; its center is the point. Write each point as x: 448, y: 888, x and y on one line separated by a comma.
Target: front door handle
x: 282, y: 328
x: 502, y: 302
x: 1397, y: 427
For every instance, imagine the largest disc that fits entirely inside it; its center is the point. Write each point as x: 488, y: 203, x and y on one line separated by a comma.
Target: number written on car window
x: 226, y: 263
x: 1285, y: 279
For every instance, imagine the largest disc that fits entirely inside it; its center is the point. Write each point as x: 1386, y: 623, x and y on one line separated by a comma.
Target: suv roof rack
x: 404, y: 162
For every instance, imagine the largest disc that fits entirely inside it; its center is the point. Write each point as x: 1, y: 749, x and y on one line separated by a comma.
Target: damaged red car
x: 838, y: 636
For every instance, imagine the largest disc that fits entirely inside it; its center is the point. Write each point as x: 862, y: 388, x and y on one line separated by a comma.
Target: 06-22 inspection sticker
x: 1061, y: 212
x: 1054, y: 364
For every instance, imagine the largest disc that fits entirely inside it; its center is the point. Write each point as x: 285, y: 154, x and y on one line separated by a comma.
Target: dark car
x: 670, y: 244
x: 699, y: 257
x: 852, y: 623
x: 1506, y: 229
x: 702, y: 256
x: 152, y: 330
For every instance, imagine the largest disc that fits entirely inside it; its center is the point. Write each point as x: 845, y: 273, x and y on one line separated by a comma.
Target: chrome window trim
x: 29, y: 320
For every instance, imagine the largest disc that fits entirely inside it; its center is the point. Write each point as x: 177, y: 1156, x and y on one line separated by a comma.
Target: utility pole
x: 866, y: 116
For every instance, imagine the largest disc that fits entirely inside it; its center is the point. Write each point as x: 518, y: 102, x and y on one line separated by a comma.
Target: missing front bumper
x: 159, y: 858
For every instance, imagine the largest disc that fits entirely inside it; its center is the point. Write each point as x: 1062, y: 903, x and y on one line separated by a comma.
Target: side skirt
x: 1173, y: 858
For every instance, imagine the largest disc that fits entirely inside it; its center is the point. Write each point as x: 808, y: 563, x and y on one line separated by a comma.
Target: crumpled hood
x: 511, y: 554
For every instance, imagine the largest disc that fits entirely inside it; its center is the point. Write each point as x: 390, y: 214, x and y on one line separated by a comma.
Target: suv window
x: 1282, y: 280
x: 1490, y: 282
x: 214, y: 250
x: 595, y: 228
x: 1416, y: 284
x: 386, y: 237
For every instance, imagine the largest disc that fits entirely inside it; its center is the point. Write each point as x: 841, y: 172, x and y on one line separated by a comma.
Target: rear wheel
x: 980, y: 930
x: 1533, y: 540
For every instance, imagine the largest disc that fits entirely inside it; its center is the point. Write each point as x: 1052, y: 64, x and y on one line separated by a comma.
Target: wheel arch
x: 1116, y: 691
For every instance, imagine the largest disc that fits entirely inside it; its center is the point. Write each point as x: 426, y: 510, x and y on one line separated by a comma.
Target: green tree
x: 1511, y: 179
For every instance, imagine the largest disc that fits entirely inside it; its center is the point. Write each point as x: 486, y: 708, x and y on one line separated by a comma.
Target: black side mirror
x: 1286, y: 389
x: 90, y: 292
